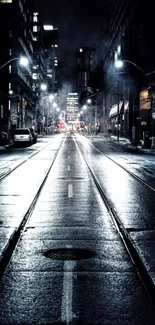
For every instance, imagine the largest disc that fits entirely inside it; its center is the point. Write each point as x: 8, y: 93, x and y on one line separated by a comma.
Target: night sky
x: 80, y: 24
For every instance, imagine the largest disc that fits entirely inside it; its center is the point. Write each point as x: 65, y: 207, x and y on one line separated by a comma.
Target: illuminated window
x: 35, y: 19
x: 35, y: 29
x: 48, y: 27
x: 6, y: 1
x: 9, y: 105
x: 34, y: 76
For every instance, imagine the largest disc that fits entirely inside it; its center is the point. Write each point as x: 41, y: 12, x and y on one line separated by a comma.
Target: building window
x: 35, y: 29
x: 34, y: 76
x: 35, y: 19
x: 9, y: 68
x: 6, y: 1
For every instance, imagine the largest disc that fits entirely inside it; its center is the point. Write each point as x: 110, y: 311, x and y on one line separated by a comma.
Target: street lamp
x: 89, y: 101
x: 43, y: 87
x: 54, y: 105
x: 51, y: 96
x: 23, y: 61
x: 120, y: 63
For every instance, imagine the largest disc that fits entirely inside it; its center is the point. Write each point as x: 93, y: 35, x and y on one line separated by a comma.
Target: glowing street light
x: 118, y: 64
x: 51, y: 96
x: 89, y: 101
x: 43, y: 87
x: 54, y: 105
x: 10, y: 92
x: 23, y: 61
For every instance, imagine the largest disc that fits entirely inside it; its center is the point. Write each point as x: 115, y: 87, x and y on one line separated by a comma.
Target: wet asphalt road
x: 100, y: 284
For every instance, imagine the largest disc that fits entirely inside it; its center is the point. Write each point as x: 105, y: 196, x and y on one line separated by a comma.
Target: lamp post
x: 89, y: 101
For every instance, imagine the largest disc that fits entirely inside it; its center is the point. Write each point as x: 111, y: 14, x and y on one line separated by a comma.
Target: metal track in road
x: 23, y: 162
x: 4, y: 260
x: 124, y: 234
x: 124, y: 168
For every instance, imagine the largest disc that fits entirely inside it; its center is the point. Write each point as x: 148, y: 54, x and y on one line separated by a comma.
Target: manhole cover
x: 69, y: 254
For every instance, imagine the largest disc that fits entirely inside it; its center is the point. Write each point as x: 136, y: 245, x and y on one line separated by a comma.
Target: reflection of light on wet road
x: 67, y: 291
x: 70, y: 190
x: 117, y: 183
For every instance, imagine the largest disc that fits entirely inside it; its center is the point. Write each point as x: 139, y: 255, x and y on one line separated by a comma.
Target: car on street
x: 3, y: 138
x: 22, y: 135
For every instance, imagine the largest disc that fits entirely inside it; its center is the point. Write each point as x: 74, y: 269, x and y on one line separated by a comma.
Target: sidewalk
x: 127, y: 143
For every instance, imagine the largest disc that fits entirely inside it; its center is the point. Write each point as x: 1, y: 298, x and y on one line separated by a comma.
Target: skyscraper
x: 51, y: 42
x: 16, y: 35
x: 72, y: 108
x: 85, y: 65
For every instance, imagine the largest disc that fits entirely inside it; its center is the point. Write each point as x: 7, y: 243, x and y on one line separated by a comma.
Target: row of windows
x: 6, y: 1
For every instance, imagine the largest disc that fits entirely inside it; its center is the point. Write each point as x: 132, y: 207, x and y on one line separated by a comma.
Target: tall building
x: 85, y: 65
x: 39, y: 71
x: 128, y: 35
x: 51, y: 42
x: 16, y: 100
x: 72, y: 108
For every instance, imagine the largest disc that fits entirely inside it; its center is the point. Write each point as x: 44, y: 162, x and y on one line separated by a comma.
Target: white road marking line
x: 70, y: 190
x: 68, y: 157
x: 67, y: 292
x: 68, y: 168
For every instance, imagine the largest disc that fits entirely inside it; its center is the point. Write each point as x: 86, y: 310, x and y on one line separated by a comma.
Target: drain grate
x: 69, y: 254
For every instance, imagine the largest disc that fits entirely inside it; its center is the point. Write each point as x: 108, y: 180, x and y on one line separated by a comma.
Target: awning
x: 123, y: 106
x: 114, y: 109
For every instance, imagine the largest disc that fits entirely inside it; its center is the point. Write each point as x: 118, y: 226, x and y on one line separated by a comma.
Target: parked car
x: 3, y: 138
x: 34, y: 134
x: 23, y: 135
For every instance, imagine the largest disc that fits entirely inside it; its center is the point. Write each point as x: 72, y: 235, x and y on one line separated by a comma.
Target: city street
x: 63, y: 258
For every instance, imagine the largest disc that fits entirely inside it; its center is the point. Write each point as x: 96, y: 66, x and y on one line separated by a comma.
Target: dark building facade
x: 39, y: 72
x: 51, y: 41
x: 129, y: 36
x: 16, y: 100
x: 86, y: 64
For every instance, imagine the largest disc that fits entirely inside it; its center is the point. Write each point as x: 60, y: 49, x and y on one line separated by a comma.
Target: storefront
x: 118, y: 117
